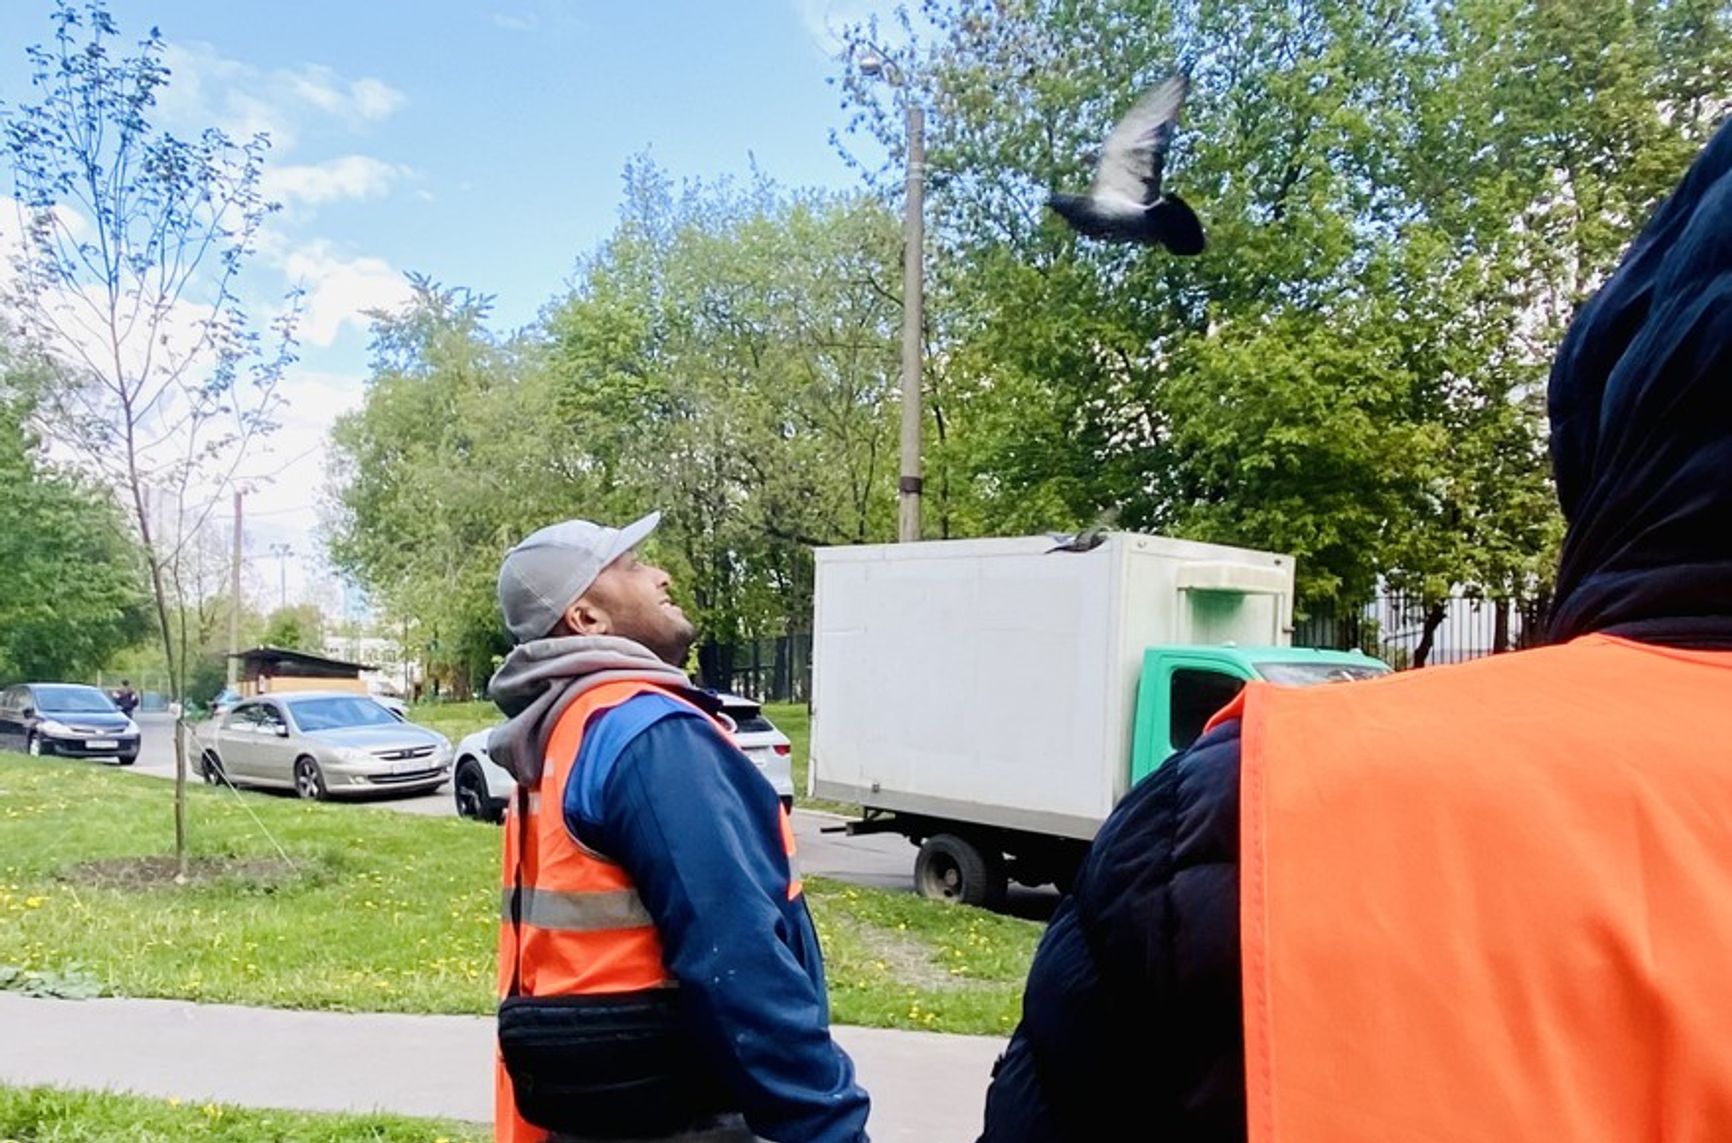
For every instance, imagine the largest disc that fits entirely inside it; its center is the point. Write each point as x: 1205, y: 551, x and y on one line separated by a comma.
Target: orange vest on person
x: 1491, y: 903
x: 584, y: 930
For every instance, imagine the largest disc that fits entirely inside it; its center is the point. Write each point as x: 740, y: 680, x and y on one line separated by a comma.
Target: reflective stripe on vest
x: 577, y: 912
x: 1491, y: 902
x: 795, y: 885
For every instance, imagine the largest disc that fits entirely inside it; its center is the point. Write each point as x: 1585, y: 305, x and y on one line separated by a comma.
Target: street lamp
x: 282, y: 552
x: 873, y: 65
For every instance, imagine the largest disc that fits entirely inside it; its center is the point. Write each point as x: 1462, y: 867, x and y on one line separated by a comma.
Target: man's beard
x: 672, y: 647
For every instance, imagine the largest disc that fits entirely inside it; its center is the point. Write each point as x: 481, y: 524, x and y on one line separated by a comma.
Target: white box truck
x: 992, y: 700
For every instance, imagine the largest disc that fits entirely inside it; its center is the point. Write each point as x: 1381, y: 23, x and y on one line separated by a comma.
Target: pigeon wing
x: 1129, y: 175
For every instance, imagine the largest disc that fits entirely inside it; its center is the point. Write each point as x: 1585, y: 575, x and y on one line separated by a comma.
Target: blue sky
x: 480, y: 143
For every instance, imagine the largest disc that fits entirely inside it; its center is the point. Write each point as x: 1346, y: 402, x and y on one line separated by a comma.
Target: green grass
x: 456, y: 719
x: 53, y: 1115
x: 386, y: 911
x: 794, y: 720
x: 895, y: 960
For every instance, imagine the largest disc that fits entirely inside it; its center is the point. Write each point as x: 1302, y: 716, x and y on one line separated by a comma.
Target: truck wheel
x: 951, y: 868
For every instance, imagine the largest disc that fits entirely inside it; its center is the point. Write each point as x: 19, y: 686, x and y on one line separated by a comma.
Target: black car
x: 66, y: 718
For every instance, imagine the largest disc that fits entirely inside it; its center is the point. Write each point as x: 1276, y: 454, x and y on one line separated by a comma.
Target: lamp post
x: 282, y: 552
x: 873, y: 65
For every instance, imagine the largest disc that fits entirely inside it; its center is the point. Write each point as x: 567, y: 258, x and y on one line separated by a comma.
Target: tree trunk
x: 1434, y: 618
x: 1500, y: 627
x: 176, y: 676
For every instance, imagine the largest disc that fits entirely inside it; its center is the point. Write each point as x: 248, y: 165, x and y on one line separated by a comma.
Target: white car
x: 482, y: 787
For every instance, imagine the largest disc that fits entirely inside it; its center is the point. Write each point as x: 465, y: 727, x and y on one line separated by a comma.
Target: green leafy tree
x: 726, y: 356
x: 70, y: 596
x: 297, y: 628
x: 729, y: 355
x: 446, y: 464
x: 1405, y: 201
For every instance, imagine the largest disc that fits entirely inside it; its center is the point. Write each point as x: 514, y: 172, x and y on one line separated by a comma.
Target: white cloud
x: 375, y: 99
x: 513, y: 23
x: 243, y: 99
x: 285, y: 477
x: 339, y: 290
x: 349, y: 177
x: 366, y: 99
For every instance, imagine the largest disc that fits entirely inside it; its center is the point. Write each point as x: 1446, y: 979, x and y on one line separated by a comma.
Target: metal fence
x: 1405, y: 631
x: 769, y: 670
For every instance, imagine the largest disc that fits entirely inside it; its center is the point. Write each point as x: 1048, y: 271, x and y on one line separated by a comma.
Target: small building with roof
x: 277, y: 670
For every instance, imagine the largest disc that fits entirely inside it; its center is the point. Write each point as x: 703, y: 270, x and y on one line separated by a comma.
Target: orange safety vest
x: 584, y: 930
x: 1491, y: 903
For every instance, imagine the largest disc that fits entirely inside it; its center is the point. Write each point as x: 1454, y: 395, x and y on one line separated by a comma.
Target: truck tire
x: 952, y: 868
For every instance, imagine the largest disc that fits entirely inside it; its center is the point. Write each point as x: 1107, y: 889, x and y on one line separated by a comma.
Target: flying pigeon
x: 1125, y: 203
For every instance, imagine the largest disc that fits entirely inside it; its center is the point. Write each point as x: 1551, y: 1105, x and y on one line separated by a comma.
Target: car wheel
x: 469, y: 790
x: 951, y: 868
x: 37, y: 747
x: 127, y: 759
x: 211, y: 768
x: 309, y: 782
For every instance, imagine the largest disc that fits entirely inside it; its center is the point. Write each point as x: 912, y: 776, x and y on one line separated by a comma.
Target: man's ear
x: 586, y: 617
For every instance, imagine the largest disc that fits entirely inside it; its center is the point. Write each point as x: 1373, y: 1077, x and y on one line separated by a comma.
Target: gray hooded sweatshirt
x: 542, y: 677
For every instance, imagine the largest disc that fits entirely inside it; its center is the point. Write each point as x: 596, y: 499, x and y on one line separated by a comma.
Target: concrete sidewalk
x: 926, y: 1088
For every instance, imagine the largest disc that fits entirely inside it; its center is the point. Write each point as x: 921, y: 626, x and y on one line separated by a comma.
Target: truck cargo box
x: 995, y: 681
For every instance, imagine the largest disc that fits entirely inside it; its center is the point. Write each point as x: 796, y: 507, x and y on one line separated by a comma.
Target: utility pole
x: 874, y: 64
x: 235, y: 599
x: 913, y: 306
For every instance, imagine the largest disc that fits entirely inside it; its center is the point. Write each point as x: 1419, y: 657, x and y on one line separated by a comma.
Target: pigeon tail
x: 1177, y: 226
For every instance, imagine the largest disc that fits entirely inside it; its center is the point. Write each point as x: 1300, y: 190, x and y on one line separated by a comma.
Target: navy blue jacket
x: 658, y: 789
x: 1132, y: 1019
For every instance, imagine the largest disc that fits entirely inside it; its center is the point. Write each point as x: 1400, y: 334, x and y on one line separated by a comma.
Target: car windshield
x: 73, y: 700
x: 338, y: 713
x: 1310, y: 674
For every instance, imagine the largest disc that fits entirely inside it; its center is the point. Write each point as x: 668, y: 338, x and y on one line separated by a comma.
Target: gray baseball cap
x: 551, y: 568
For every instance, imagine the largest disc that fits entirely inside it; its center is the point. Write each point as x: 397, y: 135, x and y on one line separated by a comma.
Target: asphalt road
x: 882, y: 861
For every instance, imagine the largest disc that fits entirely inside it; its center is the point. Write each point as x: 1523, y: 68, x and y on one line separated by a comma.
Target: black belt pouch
x: 610, y: 1066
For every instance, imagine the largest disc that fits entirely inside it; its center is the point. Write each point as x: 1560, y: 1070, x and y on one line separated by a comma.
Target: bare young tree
x: 134, y: 241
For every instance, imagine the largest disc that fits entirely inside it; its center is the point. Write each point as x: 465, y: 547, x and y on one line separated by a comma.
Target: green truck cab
x: 1181, y: 688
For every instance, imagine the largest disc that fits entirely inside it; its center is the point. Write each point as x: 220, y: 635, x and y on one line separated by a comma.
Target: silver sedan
x: 321, y: 744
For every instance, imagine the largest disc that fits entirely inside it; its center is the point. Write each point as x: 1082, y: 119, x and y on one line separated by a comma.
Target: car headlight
x: 131, y: 727
x: 50, y: 726
x: 354, y: 756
